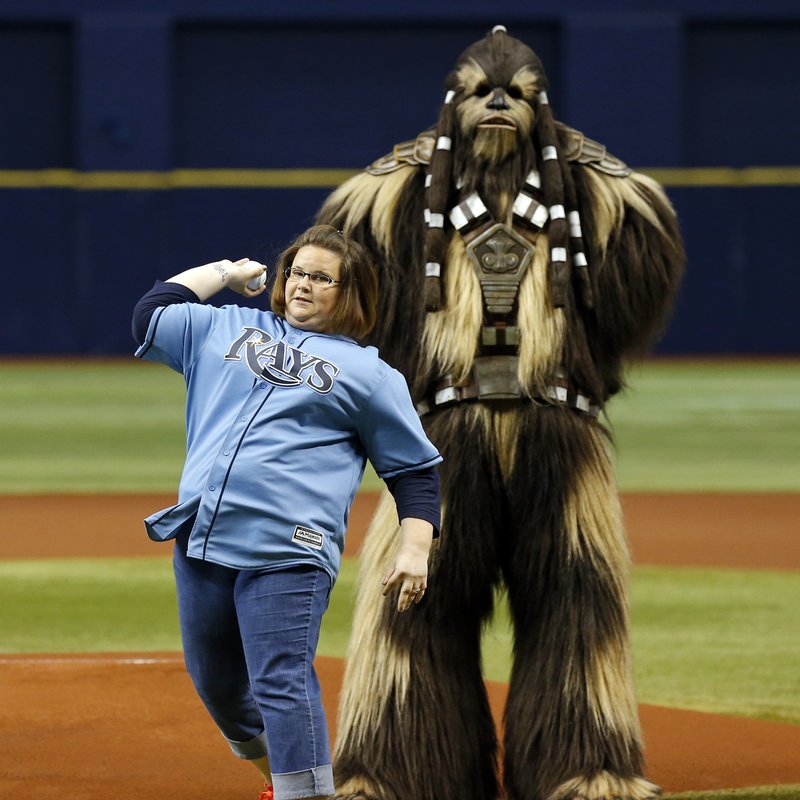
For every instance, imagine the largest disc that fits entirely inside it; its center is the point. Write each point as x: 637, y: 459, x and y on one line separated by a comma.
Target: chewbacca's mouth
x: 497, y: 121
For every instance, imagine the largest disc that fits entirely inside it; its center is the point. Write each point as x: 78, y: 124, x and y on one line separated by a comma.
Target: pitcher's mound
x: 117, y: 727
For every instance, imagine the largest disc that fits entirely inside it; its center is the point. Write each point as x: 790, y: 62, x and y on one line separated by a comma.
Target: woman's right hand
x: 246, y: 277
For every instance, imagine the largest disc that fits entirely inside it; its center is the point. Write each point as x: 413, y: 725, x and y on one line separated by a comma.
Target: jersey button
x: 226, y: 452
x: 262, y: 385
x: 211, y: 488
x: 243, y: 419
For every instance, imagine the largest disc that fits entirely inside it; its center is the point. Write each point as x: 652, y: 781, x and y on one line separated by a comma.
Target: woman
x: 283, y: 408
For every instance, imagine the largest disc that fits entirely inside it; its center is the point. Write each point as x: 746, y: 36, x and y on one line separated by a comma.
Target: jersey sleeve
x: 162, y: 294
x: 391, y: 432
x: 177, y: 333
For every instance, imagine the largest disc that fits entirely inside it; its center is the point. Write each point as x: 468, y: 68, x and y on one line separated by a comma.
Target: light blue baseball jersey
x: 279, y: 424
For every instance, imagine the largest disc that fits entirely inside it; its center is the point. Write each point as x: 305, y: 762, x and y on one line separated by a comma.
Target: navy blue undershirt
x: 416, y: 494
x: 162, y: 294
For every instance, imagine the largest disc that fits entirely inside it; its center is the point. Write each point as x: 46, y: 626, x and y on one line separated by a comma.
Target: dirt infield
x: 130, y: 727
x: 747, y: 531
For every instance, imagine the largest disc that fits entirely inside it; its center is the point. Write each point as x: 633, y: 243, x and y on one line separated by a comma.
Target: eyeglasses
x: 316, y: 278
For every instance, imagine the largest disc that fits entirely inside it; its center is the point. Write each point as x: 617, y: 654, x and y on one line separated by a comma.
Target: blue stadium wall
x: 140, y: 138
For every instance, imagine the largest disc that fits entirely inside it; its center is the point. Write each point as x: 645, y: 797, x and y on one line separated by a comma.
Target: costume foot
x: 605, y: 786
x: 357, y: 795
x: 357, y: 789
x: 354, y: 796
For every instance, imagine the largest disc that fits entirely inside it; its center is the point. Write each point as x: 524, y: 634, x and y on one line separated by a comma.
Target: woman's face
x: 309, y: 302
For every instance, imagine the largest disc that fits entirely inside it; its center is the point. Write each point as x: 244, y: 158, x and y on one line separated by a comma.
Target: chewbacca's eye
x: 515, y: 92
x: 482, y: 89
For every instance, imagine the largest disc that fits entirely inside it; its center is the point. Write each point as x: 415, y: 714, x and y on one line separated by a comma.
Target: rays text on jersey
x: 281, y: 364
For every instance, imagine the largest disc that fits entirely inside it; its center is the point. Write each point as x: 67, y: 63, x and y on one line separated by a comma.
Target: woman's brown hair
x: 355, y: 312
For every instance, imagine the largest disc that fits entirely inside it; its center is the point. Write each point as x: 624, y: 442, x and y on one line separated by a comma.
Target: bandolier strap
x: 495, y: 378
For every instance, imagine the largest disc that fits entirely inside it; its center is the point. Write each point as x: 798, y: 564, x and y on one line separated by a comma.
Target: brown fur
x: 496, y: 144
x: 528, y: 486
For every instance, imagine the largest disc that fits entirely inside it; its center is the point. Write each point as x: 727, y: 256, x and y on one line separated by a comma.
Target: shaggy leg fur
x: 572, y: 730
x: 414, y: 714
x: 415, y: 720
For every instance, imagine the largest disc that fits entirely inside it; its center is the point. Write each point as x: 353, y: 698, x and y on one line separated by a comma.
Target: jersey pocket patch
x: 308, y: 537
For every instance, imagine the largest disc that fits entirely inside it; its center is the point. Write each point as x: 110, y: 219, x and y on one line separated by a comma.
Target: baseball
x: 257, y: 282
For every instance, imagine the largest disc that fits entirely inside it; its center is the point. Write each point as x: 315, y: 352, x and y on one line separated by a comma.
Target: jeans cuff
x: 314, y: 782
x: 252, y: 749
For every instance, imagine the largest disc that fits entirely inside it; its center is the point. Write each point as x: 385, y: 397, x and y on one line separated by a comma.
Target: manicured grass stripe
x: 88, y: 605
x: 94, y: 426
x: 711, y: 640
x: 713, y: 426
x: 117, y: 604
x: 118, y: 426
x: 718, y: 640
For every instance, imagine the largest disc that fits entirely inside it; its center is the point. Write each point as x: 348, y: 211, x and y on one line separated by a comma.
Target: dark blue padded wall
x: 131, y: 90
x: 36, y: 90
x: 310, y: 96
x: 742, y: 109
x: 742, y: 94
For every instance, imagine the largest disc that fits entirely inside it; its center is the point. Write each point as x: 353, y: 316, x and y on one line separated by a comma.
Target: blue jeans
x: 249, y: 638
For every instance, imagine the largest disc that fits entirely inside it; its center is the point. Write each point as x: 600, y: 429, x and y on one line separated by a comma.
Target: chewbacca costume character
x: 521, y: 266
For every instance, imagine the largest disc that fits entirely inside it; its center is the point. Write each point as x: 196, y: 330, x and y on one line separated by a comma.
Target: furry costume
x: 521, y: 266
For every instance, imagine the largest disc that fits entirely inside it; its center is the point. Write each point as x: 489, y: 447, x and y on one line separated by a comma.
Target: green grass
x: 99, y: 605
x: 88, y: 605
x: 723, y: 426
x: 788, y: 792
x: 118, y: 426
x: 90, y: 426
x: 712, y: 640
x: 718, y: 640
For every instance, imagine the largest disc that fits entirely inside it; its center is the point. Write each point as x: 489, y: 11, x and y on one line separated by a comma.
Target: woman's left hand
x: 410, y: 570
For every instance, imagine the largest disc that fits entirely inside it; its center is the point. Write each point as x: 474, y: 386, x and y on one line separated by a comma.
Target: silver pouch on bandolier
x: 500, y: 257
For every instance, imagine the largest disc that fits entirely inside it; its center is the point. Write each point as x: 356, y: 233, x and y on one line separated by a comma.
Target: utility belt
x: 495, y: 378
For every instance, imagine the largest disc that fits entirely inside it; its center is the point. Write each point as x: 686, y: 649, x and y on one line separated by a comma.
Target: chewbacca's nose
x: 498, y: 101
